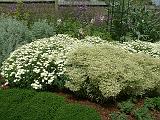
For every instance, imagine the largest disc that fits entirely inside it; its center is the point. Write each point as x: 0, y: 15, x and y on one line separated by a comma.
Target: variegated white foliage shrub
x: 104, y: 71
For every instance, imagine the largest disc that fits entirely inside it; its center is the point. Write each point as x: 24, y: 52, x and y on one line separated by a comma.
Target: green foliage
x: 23, y: 104
x: 126, y: 106
x: 10, y: 99
x: 41, y: 29
x: 149, y: 103
x: 20, y: 13
x: 118, y: 13
x: 12, y: 34
x: 118, y: 116
x: 109, y: 71
x: 69, y: 26
x: 145, y: 24
x: 130, y: 17
x: 42, y: 106
x: 152, y: 103
x: 142, y: 114
x: 98, y: 31
x: 79, y: 30
x: 76, y: 112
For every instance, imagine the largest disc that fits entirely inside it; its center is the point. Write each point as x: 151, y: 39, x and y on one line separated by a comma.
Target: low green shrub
x: 149, y: 103
x: 12, y: 34
x: 152, y: 103
x: 142, y: 114
x: 118, y: 116
x: 20, y: 104
x: 126, y: 106
x: 41, y: 29
x: 76, y: 112
x: 42, y: 106
x: 107, y: 70
x: 10, y: 99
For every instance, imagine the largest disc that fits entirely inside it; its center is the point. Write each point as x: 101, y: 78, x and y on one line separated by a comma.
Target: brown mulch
x: 155, y: 114
x: 105, y: 110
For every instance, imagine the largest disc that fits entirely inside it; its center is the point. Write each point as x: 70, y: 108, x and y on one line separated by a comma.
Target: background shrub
x: 42, y: 29
x: 69, y: 26
x: 12, y: 34
x: 144, y: 24
x: 109, y: 71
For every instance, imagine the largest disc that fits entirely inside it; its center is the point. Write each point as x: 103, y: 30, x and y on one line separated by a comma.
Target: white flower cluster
x: 38, y: 63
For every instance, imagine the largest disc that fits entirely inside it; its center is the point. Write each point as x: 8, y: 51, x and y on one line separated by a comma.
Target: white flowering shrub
x: 152, y: 49
x: 41, y: 29
x: 12, y: 34
x: 38, y: 64
x: 103, y: 71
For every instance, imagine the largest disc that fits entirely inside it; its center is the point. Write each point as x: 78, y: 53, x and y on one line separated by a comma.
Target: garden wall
x: 41, y: 8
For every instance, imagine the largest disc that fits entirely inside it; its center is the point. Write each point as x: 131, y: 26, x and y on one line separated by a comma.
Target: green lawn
x: 20, y: 104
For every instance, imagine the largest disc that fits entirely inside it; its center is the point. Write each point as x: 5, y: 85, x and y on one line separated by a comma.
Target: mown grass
x: 20, y: 104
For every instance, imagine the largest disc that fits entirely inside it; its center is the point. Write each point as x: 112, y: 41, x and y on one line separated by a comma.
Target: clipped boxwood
x: 106, y: 71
